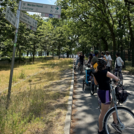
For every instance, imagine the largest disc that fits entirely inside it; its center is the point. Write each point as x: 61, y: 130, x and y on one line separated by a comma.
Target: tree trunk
x: 67, y: 54
x: 114, y: 45
x: 59, y: 52
x: 47, y: 53
x: 27, y: 53
x: 105, y: 43
x: 19, y: 56
x: 53, y: 53
x: 131, y: 33
x: 33, y: 53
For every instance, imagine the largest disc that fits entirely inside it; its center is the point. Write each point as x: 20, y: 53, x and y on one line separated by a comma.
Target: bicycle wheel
x: 81, y: 68
x: 83, y: 84
x: 93, y: 89
x: 126, y: 117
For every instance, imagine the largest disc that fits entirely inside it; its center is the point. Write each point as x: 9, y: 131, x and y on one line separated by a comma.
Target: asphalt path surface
x: 87, y: 106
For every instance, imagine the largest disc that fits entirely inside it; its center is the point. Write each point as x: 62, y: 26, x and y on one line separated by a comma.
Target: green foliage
x: 22, y: 74
x: 102, y: 25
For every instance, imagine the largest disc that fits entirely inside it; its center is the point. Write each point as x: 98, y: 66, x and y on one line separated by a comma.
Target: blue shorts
x: 104, y: 96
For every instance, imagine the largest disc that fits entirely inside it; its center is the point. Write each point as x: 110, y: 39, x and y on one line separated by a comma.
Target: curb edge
x: 69, y: 111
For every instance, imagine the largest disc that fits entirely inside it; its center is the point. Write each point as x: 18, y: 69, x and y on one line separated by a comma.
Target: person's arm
x: 121, y: 60
x: 95, y: 81
x: 92, y: 61
x: 110, y: 75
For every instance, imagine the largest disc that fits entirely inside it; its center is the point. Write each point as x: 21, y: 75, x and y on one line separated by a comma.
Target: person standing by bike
x: 103, y: 56
x: 118, y: 66
x: 81, y: 59
x: 94, y: 66
x: 89, y: 58
x: 109, y: 60
x: 102, y: 78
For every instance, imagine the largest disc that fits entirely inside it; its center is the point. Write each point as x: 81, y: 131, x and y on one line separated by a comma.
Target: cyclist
x: 89, y: 58
x: 95, y: 59
x: 118, y: 66
x: 92, y: 53
x: 81, y: 59
x: 109, y: 59
x: 94, y: 65
x: 102, y: 78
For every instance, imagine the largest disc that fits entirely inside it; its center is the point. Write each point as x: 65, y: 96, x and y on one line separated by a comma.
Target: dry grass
x: 23, y: 71
x: 39, y: 104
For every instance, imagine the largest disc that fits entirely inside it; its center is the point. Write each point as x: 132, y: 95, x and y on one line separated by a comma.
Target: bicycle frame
x: 114, y: 100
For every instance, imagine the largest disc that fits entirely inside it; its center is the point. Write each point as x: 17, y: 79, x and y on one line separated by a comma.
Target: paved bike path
x: 87, y: 106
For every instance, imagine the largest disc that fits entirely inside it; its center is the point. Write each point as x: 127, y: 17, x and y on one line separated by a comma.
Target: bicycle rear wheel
x: 83, y: 84
x: 126, y: 117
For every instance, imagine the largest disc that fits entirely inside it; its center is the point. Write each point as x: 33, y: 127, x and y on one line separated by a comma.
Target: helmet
x: 96, y: 52
x: 101, y: 62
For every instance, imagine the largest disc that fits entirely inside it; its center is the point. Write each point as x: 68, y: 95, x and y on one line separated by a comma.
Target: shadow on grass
x: 30, y: 106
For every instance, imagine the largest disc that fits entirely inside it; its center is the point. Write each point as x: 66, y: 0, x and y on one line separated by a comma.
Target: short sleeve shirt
x: 102, y: 79
x: 108, y: 58
x: 94, y: 60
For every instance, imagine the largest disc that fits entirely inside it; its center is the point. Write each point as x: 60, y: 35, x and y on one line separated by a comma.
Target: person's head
x: 81, y: 53
x: 101, y: 64
x: 90, y: 56
x: 96, y: 53
x: 107, y: 53
x: 102, y: 53
x: 117, y: 54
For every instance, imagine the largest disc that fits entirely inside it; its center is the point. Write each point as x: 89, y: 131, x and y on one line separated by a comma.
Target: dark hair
x: 90, y: 57
x: 96, y: 52
x: 117, y: 54
x: 107, y: 52
x: 101, y: 64
x: 102, y: 53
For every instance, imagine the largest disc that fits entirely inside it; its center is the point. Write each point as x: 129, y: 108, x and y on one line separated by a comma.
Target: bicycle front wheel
x: 126, y: 117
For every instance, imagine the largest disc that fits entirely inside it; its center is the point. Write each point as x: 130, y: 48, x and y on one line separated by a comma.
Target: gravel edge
x: 69, y: 111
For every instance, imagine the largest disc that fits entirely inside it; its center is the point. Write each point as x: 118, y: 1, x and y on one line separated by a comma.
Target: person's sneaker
x: 102, y: 132
x: 116, y: 127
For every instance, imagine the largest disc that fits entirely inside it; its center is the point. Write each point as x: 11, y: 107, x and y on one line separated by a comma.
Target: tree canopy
x: 84, y: 24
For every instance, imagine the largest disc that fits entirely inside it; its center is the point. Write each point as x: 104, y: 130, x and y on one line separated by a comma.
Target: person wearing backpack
x: 118, y: 66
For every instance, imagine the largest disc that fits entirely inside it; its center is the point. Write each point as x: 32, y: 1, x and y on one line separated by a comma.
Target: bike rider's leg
x: 115, y: 72
x: 92, y: 85
x: 104, y: 109
x: 76, y: 63
x: 120, y: 73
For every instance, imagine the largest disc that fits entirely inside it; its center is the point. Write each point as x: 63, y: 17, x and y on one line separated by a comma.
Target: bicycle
x: 87, y: 76
x: 122, y: 113
x: 80, y: 68
x: 94, y: 88
x: 117, y: 73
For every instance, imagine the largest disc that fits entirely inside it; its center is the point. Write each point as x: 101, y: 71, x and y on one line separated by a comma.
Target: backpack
x: 121, y: 94
x: 95, y: 65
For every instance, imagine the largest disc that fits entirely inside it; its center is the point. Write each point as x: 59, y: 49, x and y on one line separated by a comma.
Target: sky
x: 51, y: 2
